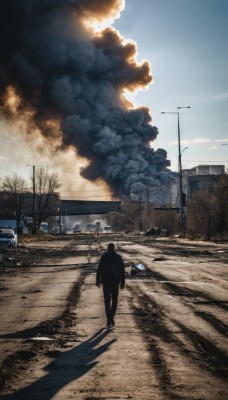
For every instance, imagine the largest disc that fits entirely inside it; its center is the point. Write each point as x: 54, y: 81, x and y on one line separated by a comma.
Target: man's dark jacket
x: 111, y: 269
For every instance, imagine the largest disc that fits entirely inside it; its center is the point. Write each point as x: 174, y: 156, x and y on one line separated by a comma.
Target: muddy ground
x: 170, y: 337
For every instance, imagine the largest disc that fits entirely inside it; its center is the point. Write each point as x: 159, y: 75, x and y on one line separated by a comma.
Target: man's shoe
x: 112, y: 322
x: 109, y: 323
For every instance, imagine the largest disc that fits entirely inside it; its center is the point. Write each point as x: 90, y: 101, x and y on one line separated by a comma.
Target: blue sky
x: 186, y: 42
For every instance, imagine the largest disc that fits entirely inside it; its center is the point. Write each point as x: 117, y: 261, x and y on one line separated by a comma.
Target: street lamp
x: 184, y: 150
x: 180, y: 166
x: 34, y: 195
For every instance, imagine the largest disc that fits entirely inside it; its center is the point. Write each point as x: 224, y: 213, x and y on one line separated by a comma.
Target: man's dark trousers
x: 110, y: 298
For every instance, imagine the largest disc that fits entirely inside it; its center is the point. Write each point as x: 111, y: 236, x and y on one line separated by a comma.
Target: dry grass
x: 36, y: 238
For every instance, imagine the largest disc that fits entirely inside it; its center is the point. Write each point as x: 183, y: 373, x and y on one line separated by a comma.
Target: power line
x: 204, y: 160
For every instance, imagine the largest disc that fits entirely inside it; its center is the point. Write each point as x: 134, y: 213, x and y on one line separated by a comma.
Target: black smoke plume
x: 64, y: 71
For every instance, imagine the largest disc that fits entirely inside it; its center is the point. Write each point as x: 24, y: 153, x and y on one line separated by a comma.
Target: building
x: 202, y: 177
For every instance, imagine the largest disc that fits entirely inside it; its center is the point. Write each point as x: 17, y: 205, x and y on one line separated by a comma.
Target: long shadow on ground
x: 68, y: 367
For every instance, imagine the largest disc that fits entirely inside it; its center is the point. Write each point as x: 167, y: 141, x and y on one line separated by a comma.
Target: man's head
x: 111, y: 247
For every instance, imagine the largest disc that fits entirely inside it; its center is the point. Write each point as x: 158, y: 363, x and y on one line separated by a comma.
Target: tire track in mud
x: 186, y: 294
x: 149, y: 319
x: 190, y: 250
x: 152, y: 321
x: 206, y: 346
x: 215, y: 322
x: 57, y: 328
x: 213, y: 357
x: 176, y: 290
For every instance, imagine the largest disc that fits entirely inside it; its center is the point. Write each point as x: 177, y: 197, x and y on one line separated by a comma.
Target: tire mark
x: 209, y: 354
x: 149, y: 319
x: 215, y: 322
x: 13, y: 365
x: 176, y: 290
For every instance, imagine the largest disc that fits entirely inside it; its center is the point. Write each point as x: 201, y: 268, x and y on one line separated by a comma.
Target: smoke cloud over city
x: 68, y: 81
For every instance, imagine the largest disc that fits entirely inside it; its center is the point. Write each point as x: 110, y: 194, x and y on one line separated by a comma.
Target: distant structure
x: 84, y: 216
x: 202, y: 177
x: 84, y: 207
x: 204, y: 170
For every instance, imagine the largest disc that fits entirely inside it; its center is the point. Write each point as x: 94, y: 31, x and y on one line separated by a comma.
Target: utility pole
x: 148, y: 207
x: 182, y: 213
x: 34, y: 196
x: 140, y: 213
x: 59, y: 211
x: 182, y: 216
x: 180, y: 178
x: 19, y: 212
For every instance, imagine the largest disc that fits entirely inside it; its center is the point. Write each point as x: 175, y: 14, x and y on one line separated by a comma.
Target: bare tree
x: 14, y: 184
x: 208, y: 211
x: 119, y: 221
x: 132, y: 212
x: 46, y: 195
x: 168, y: 219
x: 201, y: 214
x: 221, y: 209
x: 14, y: 188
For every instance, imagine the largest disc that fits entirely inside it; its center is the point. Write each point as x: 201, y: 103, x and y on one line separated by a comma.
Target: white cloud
x: 221, y: 140
x: 192, y: 141
x: 201, y: 140
x: 221, y: 96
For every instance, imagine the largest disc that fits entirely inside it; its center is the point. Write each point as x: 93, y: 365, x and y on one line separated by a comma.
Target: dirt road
x: 170, y: 337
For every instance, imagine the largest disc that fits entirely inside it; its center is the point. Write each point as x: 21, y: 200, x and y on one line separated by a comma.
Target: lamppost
x: 180, y: 167
x: 59, y: 213
x: 224, y: 144
x: 34, y: 195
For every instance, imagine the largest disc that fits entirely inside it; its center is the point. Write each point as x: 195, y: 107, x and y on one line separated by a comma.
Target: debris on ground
x: 7, y: 262
x: 157, y: 232
x: 161, y: 258
x: 137, y: 269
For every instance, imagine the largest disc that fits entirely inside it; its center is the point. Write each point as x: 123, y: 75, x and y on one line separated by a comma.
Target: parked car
x: 107, y: 229
x: 54, y: 230
x: 8, y: 238
x: 91, y: 228
x: 77, y: 228
x: 43, y: 227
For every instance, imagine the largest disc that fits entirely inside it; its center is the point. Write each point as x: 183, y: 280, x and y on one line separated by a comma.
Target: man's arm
x: 122, y: 273
x: 98, y: 278
x: 98, y: 274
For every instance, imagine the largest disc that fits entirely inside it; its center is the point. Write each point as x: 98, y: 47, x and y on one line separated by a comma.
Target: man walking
x: 111, y: 274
